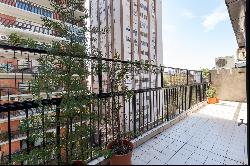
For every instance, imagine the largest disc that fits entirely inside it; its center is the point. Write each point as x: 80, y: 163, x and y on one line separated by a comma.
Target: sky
x: 195, y: 32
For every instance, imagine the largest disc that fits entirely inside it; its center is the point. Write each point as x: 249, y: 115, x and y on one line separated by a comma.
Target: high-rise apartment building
x: 17, y: 68
x: 135, y: 33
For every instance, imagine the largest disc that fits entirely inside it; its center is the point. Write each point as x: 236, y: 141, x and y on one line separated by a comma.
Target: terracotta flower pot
x: 121, y: 159
x: 212, y: 100
x: 78, y: 162
x: 218, y: 100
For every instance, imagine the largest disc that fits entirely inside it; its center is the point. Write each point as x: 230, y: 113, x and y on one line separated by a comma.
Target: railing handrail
x: 40, y: 51
x: 16, y: 23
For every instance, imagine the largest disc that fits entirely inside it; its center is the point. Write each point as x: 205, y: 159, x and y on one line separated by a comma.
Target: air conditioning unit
x: 23, y: 86
x: 3, y: 38
x: 226, y: 62
x: 241, y: 54
x: 23, y: 64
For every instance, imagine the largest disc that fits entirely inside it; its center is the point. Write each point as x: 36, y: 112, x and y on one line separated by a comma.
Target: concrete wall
x: 230, y: 84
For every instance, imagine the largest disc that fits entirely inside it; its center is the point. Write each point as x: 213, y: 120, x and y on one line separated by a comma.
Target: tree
x: 63, y: 73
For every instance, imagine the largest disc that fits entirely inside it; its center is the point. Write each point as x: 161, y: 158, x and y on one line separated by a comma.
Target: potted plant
x: 120, y: 149
x: 64, y: 70
x: 210, y: 93
x: 205, y: 74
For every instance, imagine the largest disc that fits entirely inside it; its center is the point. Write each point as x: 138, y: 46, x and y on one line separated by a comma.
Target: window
x: 33, y: 8
x: 38, y: 10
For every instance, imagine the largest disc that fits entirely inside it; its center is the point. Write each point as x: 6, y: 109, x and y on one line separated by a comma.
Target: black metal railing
x: 26, y: 25
x: 175, y: 92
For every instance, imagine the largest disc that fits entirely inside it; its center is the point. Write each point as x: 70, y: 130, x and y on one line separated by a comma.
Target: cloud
x: 188, y: 14
x: 212, y: 19
x: 169, y: 28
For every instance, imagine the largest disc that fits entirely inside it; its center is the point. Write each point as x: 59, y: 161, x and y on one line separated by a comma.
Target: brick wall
x: 15, y: 146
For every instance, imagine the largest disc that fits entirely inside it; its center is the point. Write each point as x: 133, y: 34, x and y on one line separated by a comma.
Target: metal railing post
x: 162, y: 71
x: 134, y: 111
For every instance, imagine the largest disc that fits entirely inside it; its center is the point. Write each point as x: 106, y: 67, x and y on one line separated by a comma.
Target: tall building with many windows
x: 135, y: 33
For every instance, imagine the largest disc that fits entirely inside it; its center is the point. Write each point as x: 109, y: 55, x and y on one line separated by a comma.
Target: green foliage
x: 211, y: 92
x: 63, y: 70
x: 205, y: 73
x: 14, y: 39
x: 17, y: 40
x: 31, y: 43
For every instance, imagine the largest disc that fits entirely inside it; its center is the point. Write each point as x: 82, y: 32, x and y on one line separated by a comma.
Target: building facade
x: 134, y: 33
x: 17, y: 68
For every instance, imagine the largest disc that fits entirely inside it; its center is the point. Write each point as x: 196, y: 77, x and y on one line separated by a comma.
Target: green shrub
x: 211, y: 92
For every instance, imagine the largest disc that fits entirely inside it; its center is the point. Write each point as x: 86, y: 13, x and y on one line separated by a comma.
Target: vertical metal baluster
x: 147, y: 109
x: 196, y: 94
x: 139, y: 111
x: 200, y: 92
x: 185, y: 98
x: 27, y: 132
x: 112, y: 117
x: 9, y: 135
x: 166, y: 103
x: 176, y: 99
x: 43, y: 145
x: 157, y: 107
x: 106, y: 124
x: 124, y: 115
x: 150, y: 107
x: 162, y: 104
x: 70, y: 132
x: 182, y: 96
x: 203, y: 91
x: 90, y: 121
x: 143, y: 107
x: 99, y: 103
x: 119, y: 123
x: 177, y: 94
x: 190, y: 96
x: 129, y: 118
x: 81, y: 136
x: 159, y: 102
x: 58, y: 134
x: 170, y: 104
x: 153, y: 109
x: 134, y: 112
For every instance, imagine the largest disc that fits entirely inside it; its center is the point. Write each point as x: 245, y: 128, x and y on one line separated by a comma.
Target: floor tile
x: 154, y: 161
x: 209, y: 136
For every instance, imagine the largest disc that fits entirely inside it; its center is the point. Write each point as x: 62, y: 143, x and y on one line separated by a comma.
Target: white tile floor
x: 210, y: 136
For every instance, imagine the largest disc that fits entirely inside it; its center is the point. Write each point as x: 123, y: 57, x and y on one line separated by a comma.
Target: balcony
x: 26, y: 28
x: 170, y: 124
x: 210, y: 136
